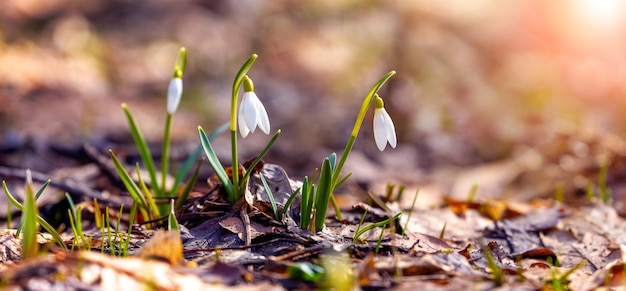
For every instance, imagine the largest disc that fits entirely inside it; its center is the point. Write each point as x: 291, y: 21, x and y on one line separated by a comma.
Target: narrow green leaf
x: 343, y: 180
x: 9, y: 215
x: 268, y: 190
x: 144, y: 151
x: 496, y: 271
x: 324, y: 191
x: 75, y: 220
x: 183, y: 196
x: 44, y: 224
x: 443, y: 230
x: 97, y: 213
x: 43, y: 187
x: 380, y: 239
x: 358, y: 227
x: 217, y: 166
x: 150, y: 208
x: 305, y: 271
x: 258, y: 158
x: 361, y: 231
x: 290, y: 201
x: 117, y: 230
x: 184, y: 170
x: 333, y: 160
x: 172, y: 223
x: 305, y: 204
x: 132, y: 188
x: 132, y: 218
x: 30, y: 247
x: 406, y: 224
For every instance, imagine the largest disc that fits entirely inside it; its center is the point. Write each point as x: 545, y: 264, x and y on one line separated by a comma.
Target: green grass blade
x: 76, y: 224
x: 343, y: 180
x: 132, y: 188
x: 172, y: 222
x: 19, y: 227
x: 271, y: 197
x: 73, y: 227
x: 496, y: 271
x: 258, y: 158
x: 305, y: 204
x: 183, y: 196
x: 117, y: 230
x: 43, y: 187
x: 30, y: 247
x: 44, y: 224
x: 324, y: 191
x: 290, y: 201
x: 361, y: 231
x: 131, y: 221
x: 151, y: 210
x: 144, y: 151
x: 184, y: 170
x: 354, y: 238
x: 406, y: 224
x: 9, y: 215
x: 217, y: 166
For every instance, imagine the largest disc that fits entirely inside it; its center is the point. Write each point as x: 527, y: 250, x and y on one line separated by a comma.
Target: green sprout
x: 408, y: 218
x: 172, y: 222
x: 605, y: 192
x: 76, y: 223
x: 560, y: 281
x: 496, y: 271
x: 360, y: 231
x: 39, y: 220
x: 30, y: 247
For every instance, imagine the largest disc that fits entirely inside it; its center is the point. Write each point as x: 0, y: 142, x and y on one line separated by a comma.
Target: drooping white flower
x: 384, y: 130
x: 251, y: 111
x: 174, y: 94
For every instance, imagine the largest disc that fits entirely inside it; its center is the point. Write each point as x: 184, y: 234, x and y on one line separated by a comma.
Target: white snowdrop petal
x: 262, y: 118
x: 391, y: 129
x: 249, y: 111
x: 174, y: 94
x: 380, y: 129
x: 243, y: 128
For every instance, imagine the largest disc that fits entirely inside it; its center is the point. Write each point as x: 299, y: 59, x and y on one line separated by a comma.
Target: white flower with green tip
x: 251, y: 111
x: 174, y: 94
x: 384, y: 130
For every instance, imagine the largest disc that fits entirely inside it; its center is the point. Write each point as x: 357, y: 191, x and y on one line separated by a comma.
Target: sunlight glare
x: 600, y: 13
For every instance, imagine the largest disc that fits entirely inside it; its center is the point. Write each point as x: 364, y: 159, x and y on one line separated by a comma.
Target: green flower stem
x: 165, y: 158
x: 355, y: 132
x: 357, y: 124
x: 235, y: 166
x: 233, y: 120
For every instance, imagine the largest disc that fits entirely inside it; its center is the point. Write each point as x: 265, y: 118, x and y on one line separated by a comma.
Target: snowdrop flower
x: 384, y: 130
x: 251, y: 111
x: 174, y: 93
x: 175, y: 89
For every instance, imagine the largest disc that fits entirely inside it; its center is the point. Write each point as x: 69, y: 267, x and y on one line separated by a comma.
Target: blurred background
x: 475, y: 79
